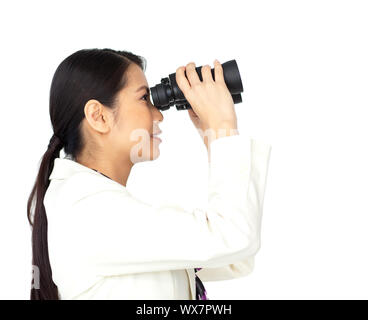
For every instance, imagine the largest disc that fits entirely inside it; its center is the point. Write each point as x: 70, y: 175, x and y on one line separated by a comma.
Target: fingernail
x: 216, y: 61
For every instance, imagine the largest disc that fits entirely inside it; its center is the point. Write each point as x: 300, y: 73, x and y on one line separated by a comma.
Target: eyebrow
x: 143, y: 87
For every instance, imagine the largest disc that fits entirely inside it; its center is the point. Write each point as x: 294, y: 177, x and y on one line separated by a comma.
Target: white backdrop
x: 305, y: 74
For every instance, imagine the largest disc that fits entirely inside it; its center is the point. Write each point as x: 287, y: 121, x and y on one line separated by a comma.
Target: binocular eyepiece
x: 167, y: 93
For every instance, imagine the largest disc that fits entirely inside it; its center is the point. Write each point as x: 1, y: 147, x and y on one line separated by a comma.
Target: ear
x: 97, y: 116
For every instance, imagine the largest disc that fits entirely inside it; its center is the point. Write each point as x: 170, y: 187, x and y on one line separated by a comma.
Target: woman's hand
x: 213, y: 106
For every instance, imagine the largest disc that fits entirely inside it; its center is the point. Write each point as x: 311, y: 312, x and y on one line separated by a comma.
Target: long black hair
x: 86, y: 74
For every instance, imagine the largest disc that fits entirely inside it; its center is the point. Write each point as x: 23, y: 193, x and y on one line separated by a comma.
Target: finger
x: 219, y: 74
x: 181, y: 80
x: 206, y: 73
x: 192, y: 74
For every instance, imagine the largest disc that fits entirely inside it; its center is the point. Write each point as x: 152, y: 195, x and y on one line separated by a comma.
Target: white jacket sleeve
x: 120, y: 234
x: 260, y: 155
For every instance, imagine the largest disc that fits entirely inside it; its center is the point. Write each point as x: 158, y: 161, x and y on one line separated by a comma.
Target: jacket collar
x: 66, y: 167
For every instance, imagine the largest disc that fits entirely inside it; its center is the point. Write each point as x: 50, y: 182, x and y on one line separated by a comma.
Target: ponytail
x: 42, y: 288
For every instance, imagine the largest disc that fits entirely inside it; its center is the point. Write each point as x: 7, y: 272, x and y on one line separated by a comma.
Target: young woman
x: 91, y: 238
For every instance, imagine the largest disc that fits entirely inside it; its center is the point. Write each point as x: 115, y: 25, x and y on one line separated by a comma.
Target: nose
x: 156, y: 114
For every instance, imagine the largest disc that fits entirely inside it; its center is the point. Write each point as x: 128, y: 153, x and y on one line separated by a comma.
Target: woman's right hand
x: 211, y: 100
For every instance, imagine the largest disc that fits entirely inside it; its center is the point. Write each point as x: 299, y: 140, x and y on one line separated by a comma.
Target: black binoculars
x: 167, y: 93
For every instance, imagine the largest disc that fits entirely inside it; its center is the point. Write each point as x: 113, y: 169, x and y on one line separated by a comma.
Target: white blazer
x: 106, y: 244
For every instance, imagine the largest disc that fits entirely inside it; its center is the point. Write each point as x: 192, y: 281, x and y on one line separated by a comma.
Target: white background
x: 305, y: 74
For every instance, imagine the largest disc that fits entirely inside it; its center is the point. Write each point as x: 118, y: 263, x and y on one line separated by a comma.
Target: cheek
x: 140, y: 121
x: 134, y: 127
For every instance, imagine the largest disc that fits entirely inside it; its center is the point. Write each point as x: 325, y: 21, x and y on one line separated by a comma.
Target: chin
x: 152, y: 152
x: 155, y: 154
x: 155, y: 149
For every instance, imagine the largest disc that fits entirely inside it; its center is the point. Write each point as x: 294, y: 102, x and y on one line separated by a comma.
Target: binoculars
x: 167, y: 93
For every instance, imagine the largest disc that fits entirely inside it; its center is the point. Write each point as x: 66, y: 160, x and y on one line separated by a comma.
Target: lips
x: 155, y: 134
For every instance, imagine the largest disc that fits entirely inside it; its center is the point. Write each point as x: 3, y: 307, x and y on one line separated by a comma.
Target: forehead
x: 135, y: 77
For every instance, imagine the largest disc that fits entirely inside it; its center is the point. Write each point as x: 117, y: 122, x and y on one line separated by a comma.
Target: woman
x: 91, y: 238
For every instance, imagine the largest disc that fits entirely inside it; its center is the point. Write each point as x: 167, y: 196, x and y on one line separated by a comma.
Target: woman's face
x: 136, y: 120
